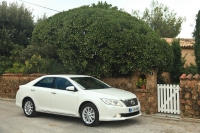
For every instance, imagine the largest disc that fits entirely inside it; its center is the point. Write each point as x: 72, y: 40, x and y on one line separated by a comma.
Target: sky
x: 183, y: 8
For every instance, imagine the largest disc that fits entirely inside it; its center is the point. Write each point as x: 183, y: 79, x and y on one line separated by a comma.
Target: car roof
x: 66, y: 75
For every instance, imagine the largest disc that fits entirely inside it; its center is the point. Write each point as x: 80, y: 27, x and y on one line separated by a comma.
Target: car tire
x: 90, y: 115
x: 29, y: 108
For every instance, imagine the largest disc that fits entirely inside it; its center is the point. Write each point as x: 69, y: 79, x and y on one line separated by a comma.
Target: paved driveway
x: 12, y: 120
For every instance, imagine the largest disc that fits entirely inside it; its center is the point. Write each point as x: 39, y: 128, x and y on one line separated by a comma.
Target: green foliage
x: 18, y: 23
x: 55, y: 66
x: 16, y: 26
x: 17, y: 68
x: 190, y: 69
x: 103, y: 42
x: 33, y: 65
x: 43, y: 17
x: 45, y: 51
x: 140, y: 82
x: 161, y: 19
x: 5, y: 63
x: 178, y: 63
x: 5, y: 43
x: 196, y: 35
x: 37, y: 64
x: 104, y: 5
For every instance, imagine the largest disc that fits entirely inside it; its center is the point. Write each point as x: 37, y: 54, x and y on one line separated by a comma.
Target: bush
x: 178, y: 62
x: 103, y: 42
x: 190, y: 69
x: 196, y: 35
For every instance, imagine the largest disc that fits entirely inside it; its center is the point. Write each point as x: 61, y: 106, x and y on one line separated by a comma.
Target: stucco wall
x: 189, y: 55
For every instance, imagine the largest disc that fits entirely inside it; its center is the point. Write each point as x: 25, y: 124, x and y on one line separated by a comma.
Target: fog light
x: 117, y: 116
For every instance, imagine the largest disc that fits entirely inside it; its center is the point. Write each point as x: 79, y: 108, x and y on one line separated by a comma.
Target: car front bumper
x: 114, y: 113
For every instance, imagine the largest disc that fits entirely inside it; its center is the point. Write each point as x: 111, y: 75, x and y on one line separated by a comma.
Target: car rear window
x: 45, y: 82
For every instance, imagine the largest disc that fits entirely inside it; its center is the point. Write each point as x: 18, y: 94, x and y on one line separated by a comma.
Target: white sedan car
x: 78, y: 96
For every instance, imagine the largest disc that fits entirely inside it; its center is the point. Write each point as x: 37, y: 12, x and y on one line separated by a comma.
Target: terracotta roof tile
x: 196, y: 76
x: 183, y: 76
x: 184, y: 42
x: 189, y: 76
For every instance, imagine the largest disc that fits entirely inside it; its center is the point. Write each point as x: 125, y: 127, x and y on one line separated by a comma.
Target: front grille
x: 130, y: 114
x: 131, y: 102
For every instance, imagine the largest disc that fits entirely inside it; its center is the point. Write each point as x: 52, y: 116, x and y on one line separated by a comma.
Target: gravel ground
x: 12, y: 120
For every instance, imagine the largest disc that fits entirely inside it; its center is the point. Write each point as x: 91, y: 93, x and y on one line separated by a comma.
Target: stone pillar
x: 148, y: 96
x: 190, y: 96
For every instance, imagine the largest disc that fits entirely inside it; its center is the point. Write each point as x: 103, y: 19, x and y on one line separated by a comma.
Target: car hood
x: 113, y: 92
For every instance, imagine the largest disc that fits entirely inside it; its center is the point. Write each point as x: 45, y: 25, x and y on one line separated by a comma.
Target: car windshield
x: 90, y: 83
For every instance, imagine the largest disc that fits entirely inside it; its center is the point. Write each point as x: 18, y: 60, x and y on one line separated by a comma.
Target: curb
x: 172, y: 117
x: 7, y: 99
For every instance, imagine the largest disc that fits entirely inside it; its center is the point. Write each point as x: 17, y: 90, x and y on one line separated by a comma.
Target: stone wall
x: 9, y: 83
x: 190, y: 96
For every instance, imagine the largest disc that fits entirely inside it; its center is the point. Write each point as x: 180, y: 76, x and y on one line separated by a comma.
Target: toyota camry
x: 78, y: 96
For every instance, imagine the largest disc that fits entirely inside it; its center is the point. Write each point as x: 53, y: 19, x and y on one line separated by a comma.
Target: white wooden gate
x: 168, y: 98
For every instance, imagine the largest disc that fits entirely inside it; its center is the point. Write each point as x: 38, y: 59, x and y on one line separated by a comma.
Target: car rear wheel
x: 29, y: 108
x: 90, y: 115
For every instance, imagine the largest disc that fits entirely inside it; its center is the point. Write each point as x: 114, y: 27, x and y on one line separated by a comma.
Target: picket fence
x: 168, y: 98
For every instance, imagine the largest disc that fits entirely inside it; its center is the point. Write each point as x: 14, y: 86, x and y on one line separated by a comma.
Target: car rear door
x: 42, y: 92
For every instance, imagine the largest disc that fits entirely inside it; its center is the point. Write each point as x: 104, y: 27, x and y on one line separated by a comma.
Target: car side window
x: 45, y: 82
x: 62, y: 83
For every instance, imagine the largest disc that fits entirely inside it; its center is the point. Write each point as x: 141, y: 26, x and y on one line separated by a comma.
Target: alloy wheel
x: 28, y: 107
x: 88, y: 115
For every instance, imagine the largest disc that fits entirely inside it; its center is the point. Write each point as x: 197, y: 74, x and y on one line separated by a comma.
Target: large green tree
x: 161, y: 19
x: 16, y: 26
x: 17, y: 20
x: 102, y: 42
x: 196, y: 35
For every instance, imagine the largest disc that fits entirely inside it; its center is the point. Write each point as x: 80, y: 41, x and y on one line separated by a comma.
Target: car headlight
x: 112, y: 102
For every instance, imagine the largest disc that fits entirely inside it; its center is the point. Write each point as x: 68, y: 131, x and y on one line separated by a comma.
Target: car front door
x: 63, y: 101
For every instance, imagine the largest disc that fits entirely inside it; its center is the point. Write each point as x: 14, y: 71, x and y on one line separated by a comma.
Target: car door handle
x: 53, y: 92
x: 32, y: 90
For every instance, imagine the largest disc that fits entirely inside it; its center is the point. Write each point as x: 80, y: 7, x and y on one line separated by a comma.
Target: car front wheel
x: 29, y: 108
x: 90, y: 115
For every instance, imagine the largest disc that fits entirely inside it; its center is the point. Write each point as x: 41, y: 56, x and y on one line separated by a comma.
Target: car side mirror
x: 70, y: 88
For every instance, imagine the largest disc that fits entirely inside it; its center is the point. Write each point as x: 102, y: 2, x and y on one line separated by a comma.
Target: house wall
x: 189, y: 55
